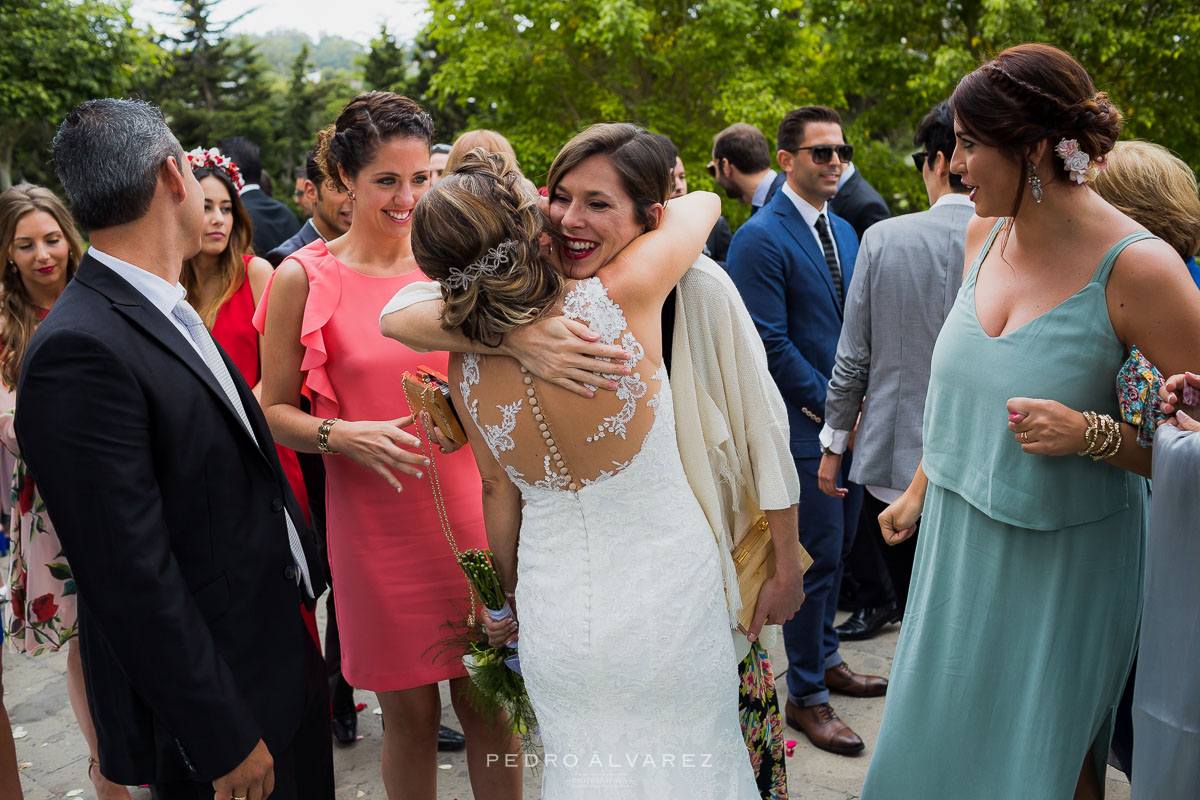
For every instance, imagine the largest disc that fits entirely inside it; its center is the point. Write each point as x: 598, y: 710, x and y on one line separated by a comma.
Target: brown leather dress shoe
x: 843, y: 680
x: 823, y: 728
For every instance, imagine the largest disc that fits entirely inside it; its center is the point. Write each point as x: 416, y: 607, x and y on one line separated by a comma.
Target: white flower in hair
x: 1077, y: 162
x: 487, y: 264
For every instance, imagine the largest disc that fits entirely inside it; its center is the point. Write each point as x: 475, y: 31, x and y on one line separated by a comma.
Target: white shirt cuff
x: 834, y: 440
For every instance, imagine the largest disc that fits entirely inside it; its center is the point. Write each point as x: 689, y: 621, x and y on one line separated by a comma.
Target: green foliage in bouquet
x: 495, y: 687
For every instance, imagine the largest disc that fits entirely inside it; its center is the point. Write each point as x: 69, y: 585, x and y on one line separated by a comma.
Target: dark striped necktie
x: 831, y: 261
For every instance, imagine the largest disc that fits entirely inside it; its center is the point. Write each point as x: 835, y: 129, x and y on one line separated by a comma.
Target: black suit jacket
x: 858, y: 203
x: 717, y: 245
x: 171, y: 516
x: 306, y: 235
x: 273, y: 221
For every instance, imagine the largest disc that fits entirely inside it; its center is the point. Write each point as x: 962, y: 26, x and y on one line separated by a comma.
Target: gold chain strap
x: 440, y: 503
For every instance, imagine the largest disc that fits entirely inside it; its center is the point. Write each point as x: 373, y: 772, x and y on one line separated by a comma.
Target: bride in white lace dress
x: 624, y: 634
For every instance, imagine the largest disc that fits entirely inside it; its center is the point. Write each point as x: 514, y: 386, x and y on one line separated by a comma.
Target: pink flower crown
x: 212, y: 158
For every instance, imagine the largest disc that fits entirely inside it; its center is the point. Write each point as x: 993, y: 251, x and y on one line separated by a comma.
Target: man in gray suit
x: 906, y: 277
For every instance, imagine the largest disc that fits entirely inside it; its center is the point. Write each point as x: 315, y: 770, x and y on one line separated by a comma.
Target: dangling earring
x: 1035, y: 183
x: 350, y: 194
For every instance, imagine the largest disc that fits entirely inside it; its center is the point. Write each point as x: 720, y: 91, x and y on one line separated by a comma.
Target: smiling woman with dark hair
x: 1024, y: 606
x: 395, y: 578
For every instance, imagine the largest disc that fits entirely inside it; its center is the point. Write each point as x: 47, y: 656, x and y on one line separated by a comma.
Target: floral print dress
x: 42, y: 613
x: 762, y: 727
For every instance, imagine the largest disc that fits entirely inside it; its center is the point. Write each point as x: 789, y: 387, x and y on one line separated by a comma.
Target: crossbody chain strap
x: 440, y: 503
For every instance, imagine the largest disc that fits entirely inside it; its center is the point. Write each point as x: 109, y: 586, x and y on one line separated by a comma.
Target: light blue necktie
x: 208, y: 350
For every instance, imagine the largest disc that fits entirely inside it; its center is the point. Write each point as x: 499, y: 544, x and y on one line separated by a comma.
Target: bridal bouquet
x: 496, y: 681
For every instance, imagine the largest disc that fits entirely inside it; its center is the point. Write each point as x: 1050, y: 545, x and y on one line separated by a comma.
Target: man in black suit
x: 857, y: 202
x: 188, y: 548
x: 332, y: 213
x: 273, y: 221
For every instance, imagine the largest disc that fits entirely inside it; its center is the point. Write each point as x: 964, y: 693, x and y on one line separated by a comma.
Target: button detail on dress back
x: 560, y: 471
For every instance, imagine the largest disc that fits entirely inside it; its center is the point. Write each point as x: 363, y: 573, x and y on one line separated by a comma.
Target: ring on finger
x: 1025, y: 437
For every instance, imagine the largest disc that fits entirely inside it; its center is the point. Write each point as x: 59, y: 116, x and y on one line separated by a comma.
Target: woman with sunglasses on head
x: 1025, y: 601
x: 41, y: 250
x: 395, y: 578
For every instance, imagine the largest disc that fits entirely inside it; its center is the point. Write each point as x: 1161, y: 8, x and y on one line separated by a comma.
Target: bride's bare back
x: 548, y: 437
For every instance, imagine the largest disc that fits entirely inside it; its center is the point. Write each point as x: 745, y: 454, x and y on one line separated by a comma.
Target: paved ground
x: 53, y: 756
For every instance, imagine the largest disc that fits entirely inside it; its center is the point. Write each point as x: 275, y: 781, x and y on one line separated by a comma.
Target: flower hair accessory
x: 487, y: 264
x: 212, y: 158
x: 1078, y: 163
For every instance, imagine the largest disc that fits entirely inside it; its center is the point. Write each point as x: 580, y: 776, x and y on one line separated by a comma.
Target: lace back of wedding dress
x: 537, y: 431
x: 633, y: 702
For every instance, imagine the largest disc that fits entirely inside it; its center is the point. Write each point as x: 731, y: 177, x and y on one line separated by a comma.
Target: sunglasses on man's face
x: 823, y: 153
x: 919, y: 161
x: 712, y: 168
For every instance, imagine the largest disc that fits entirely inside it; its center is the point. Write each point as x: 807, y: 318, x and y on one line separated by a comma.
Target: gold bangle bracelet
x: 323, y: 436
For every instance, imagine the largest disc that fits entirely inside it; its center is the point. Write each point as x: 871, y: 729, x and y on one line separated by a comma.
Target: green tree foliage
x: 56, y: 54
x: 389, y: 65
x: 541, y: 71
x: 899, y: 58
x: 308, y: 103
x: 217, y: 85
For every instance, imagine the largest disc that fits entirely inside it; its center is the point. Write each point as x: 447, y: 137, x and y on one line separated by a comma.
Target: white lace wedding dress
x: 624, y: 635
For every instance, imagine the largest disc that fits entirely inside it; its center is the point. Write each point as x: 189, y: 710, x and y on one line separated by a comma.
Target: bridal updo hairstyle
x: 484, y: 203
x: 366, y: 122
x: 1033, y: 92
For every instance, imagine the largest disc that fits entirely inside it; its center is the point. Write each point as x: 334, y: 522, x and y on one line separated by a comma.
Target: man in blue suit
x: 792, y: 264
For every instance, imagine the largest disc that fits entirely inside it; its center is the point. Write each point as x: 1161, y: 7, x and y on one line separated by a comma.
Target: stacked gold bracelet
x: 1101, y: 425
x: 323, y: 436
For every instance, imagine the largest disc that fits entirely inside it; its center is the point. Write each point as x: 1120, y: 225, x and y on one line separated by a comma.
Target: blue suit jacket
x: 777, y: 264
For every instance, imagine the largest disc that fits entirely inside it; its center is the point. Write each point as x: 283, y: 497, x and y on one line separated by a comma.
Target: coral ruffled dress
x: 396, y: 582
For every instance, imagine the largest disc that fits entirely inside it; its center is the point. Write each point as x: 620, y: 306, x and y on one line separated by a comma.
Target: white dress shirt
x: 760, y: 192
x: 811, y: 215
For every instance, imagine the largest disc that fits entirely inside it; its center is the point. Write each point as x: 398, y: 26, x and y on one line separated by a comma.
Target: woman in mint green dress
x: 1025, y: 599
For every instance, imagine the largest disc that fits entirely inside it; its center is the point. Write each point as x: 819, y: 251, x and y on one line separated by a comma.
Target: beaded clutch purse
x: 429, y: 391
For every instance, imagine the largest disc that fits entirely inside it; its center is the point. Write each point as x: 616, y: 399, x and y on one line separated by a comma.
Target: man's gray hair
x: 107, y: 154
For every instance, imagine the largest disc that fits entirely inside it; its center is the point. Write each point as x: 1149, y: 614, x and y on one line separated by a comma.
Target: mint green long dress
x: 1026, y: 593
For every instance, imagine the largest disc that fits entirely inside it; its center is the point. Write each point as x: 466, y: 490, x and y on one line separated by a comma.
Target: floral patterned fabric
x: 1137, y: 393
x: 762, y: 726
x: 42, y: 613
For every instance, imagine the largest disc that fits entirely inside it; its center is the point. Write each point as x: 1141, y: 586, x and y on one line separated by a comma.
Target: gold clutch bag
x: 429, y: 390
x: 754, y: 559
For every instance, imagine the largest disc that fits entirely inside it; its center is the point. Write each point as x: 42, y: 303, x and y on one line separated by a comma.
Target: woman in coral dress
x: 396, y: 582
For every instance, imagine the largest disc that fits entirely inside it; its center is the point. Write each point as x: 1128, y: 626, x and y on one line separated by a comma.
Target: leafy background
x: 540, y: 71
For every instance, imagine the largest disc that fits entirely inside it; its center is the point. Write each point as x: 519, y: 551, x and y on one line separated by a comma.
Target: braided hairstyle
x: 366, y: 122
x: 483, y: 204
x: 1030, y: 93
